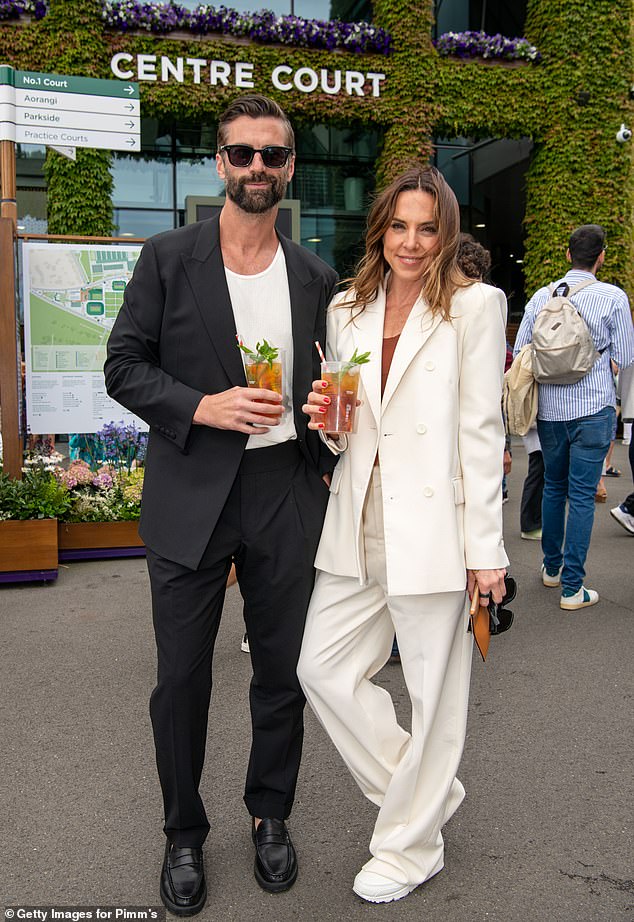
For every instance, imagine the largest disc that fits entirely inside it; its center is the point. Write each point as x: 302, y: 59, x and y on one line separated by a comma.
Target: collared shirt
x: 606, y: 311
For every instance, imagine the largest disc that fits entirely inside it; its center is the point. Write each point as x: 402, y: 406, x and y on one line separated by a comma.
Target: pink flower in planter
x: 103, y: 479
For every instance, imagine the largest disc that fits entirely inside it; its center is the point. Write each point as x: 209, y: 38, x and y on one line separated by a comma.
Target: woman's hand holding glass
x: 317, y: 406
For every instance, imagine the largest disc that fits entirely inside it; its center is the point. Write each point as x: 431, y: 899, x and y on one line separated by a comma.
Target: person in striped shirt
x: 575, y: 421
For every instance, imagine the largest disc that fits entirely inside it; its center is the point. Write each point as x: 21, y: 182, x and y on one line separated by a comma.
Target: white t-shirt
x: 262, y: 310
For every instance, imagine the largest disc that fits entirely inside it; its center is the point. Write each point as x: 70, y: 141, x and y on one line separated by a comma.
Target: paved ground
x: 544, y: 834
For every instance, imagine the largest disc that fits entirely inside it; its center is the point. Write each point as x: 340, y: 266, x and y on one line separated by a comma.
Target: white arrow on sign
x: 62, y: 118
x: 100, y: 140
x: 77, y: 102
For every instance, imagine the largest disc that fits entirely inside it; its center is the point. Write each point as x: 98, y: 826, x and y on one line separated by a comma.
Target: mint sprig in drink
x: 263, y: 366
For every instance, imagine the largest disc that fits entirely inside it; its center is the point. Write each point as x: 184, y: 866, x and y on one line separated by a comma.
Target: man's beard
x: 256, y: 201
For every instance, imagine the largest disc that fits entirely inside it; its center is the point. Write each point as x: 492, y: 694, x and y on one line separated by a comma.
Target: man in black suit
x: 231, y: 473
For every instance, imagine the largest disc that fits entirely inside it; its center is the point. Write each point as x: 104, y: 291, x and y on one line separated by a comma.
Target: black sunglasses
x: 501, y: 618
x: 241, y: 155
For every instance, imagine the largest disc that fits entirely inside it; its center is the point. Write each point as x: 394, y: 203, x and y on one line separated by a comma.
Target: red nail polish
x: 324, y: 383
x: 322, y: 409
x: 321, y: 425
x: 327, y: 399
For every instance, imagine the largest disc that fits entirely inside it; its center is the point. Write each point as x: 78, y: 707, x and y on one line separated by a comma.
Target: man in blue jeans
x: 575, y: 421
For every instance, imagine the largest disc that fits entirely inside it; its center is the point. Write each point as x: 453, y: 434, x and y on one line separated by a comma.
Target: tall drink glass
x: 343, y: 387
x: 267, y: 375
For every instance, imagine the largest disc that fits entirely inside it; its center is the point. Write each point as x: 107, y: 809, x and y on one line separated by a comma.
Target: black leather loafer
x: 183, y: 887
x: 275, y: 858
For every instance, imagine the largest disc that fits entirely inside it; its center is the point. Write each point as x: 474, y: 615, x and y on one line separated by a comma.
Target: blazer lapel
x: 420, y: 325
x: 206, y: 274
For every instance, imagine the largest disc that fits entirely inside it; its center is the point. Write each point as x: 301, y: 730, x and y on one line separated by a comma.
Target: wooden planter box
x: 28, y: 550
x: 86, y: 540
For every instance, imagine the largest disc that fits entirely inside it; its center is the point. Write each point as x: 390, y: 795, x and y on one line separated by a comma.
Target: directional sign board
x: 7, y: 102
x: 69, y: 111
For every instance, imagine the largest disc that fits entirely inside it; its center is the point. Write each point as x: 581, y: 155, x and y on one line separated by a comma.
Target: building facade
x: 529, y: 143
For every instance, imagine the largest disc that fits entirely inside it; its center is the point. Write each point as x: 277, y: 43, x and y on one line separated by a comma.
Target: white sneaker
x: 581, y: 599
x: 244, y: 644
x: 375, y: 888
x: 623, y: 518
x: 551, y: 581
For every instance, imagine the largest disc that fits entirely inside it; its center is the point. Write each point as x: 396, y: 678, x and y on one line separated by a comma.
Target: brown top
x: 389, y: 345
x: 387, y: 354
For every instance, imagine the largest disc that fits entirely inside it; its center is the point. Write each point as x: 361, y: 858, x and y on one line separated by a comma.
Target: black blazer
x: 175, y: 341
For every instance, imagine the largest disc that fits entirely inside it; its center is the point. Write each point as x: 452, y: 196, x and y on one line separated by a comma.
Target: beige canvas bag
x: 519, y: 396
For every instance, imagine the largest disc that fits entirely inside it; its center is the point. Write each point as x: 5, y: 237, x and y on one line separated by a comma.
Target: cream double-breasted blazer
x: 439, y: 437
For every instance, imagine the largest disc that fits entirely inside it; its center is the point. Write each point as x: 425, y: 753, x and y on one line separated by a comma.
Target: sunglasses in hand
x: 501, y: 618
x: 241, y: 155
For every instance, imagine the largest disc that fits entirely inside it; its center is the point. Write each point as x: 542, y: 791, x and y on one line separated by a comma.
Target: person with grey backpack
x: 575, y: 327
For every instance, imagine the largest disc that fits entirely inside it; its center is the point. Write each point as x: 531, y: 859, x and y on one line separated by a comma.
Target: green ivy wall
x: 578, y: 173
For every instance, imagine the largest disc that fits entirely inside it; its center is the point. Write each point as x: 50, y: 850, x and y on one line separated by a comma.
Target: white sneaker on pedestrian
x: 375, y: 888
x: 244, y: 645
x: 534, y: 535
x: 623, y: 518
x: 581, y: 599
x: 549, y: 579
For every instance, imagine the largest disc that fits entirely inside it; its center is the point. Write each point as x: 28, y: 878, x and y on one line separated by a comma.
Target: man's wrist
x: 201, y: 415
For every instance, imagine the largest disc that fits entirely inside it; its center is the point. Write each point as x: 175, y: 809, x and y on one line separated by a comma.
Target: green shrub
x: 37, y: 496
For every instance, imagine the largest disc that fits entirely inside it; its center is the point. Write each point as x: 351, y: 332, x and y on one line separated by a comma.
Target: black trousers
x: 270, y: 526
x: 531, y: 503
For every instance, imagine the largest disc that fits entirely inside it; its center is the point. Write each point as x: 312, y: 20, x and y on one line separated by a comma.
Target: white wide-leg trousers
x: 348, y: 639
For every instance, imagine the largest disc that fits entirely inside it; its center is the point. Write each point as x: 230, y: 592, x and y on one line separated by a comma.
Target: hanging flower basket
x: 22, y: 10
x: 263, y: 27
x: 469, y: 46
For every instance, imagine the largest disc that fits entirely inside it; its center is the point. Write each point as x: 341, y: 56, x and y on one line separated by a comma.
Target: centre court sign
x: 163, y: 69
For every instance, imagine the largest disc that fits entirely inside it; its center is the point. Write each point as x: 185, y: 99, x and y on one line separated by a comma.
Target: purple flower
x: 103, y: 480
x: 123, y: 446
x: 481, y: 45
x: 78, y: 474
x: 13, y: 9
x: 264, y: 27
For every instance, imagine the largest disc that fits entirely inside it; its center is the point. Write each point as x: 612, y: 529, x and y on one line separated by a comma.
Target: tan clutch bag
x: 479, y: 617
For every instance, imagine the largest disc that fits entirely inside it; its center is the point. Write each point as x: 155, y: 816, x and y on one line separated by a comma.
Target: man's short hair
x: 253, y: 106
x: 585, y: 245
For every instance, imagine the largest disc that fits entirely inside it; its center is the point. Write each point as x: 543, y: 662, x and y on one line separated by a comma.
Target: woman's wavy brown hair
x: 443, y: 276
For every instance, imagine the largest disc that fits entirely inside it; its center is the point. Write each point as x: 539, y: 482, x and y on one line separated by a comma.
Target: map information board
x: 72, y: 295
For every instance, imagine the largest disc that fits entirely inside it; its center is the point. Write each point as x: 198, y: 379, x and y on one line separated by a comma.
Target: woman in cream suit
x: 414, y: 521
